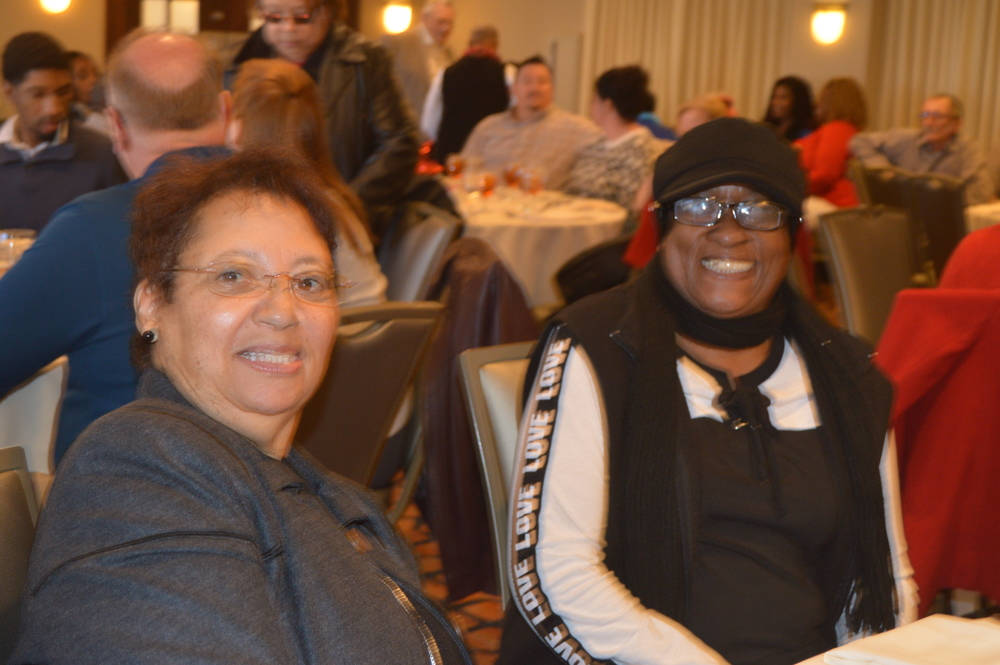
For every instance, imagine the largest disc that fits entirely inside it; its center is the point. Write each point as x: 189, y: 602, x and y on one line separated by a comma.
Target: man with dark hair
x: 936, y: 147
x: 46, y: 159
x: 71, y: 291
x: 465, y: 93
x: 533, y: 133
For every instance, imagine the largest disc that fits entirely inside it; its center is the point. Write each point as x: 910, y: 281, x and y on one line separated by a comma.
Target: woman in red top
x: 823, y: 154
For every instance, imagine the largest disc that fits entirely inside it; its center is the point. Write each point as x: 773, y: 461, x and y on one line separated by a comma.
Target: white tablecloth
x: 536, y: 234
x: 982, y: 215
x: 934, y: 640
x: 28, y: 419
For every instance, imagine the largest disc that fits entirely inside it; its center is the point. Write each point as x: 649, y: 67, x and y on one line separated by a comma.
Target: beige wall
x: 79, y: 28
x: 532, y: 26
x: 817, y: 63
x: 526, y: 27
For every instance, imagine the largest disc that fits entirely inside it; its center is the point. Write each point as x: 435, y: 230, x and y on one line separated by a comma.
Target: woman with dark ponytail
x: 614, y: 167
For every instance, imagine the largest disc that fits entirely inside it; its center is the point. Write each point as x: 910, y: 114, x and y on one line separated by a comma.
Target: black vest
x: 610, y: 326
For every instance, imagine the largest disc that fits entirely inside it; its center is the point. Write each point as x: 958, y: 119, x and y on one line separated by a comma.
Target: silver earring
x: 150, y: 336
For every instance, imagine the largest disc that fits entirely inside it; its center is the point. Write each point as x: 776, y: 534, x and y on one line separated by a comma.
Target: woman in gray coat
x: 184, y: 527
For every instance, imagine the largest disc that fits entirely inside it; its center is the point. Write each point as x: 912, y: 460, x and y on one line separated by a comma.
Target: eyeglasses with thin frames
x: 233, y: 280
x: 698, y: 211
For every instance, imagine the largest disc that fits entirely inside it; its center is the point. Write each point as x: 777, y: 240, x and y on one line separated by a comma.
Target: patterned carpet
x: 478, y: 617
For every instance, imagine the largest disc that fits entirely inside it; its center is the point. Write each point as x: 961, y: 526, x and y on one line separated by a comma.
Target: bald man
x: 71, y: 292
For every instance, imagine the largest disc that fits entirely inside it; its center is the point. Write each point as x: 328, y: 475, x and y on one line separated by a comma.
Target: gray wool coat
x: 169, y: 538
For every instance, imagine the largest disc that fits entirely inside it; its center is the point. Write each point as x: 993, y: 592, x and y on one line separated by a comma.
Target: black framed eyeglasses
x: 297, y: 18
x: 698, y: 211
x: 235, y: 280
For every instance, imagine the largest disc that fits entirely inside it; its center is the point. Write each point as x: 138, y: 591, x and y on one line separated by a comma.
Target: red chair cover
x: 939, y: 348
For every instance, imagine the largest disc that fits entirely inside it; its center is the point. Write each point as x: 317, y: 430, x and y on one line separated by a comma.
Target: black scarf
x: 740, y: 333
x: 645, y: 527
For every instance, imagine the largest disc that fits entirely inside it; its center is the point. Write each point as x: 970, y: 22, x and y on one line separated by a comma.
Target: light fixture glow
x: 396, y: 17
x: 828, y: 24
x: 55, y: 6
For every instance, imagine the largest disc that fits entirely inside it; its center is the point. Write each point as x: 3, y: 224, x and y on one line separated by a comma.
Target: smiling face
x: 725, y: 270
x: 42, y: 100
x: 246, y: 360
x: 290, y: 40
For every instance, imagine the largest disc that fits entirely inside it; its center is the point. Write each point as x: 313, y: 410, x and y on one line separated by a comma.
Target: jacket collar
x: 62, y: 148
x: 297, y: 469
x: 347, y: 45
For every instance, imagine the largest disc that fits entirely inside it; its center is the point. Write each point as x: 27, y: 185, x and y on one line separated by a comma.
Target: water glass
x: 13, y: 243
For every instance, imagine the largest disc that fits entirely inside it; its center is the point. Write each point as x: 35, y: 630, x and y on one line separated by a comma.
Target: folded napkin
x: 936, y: 640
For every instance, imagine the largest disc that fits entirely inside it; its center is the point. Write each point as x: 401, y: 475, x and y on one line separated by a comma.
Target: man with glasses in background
x: 934, y: 148
x: 372, y: 132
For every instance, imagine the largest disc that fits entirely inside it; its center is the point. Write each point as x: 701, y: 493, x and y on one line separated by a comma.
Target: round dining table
x: 535, y: 234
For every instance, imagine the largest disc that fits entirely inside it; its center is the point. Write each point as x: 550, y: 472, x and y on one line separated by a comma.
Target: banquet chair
x: 484, y: 306
x: 492, y: 379
x: 375, y: 361
x: 885, y: 186
x: 29, y: 416
x: 872, y: 260
x: 937, y: 204
x: 595, y: 269
x: 18, y: 515
x: 411, y: 252
x: 856, y: 172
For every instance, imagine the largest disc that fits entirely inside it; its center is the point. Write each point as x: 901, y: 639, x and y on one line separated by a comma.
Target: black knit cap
x: 732, y: 151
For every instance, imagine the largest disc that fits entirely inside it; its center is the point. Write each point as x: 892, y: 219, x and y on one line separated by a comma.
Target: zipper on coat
x: 433, y: 652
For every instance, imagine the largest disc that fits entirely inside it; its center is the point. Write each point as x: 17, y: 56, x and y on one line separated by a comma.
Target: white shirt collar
x: 793, y: 404
x: 425, y: 36
x: 8, y: 137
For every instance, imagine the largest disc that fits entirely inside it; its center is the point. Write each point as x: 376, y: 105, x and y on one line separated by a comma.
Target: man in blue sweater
x: 71, y: 292
x: 46, y: 158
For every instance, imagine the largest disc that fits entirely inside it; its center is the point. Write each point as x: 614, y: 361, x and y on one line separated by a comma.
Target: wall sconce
x: 55, y: 6
x: 828, y: 21
x: 396, y: 17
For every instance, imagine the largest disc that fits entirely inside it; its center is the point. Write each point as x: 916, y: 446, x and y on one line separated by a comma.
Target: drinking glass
x: 13, y: 243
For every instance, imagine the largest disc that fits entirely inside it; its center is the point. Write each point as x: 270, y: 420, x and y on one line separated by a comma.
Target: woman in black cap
x: 704, y: 474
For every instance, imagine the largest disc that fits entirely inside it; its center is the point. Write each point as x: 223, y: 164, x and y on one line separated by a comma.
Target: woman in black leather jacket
x: 372, y: 131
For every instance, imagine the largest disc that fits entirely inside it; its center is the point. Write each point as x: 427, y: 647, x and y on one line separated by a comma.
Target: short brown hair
x: 843, y: 99
x: 149, y: 106
x: 166, y: 211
